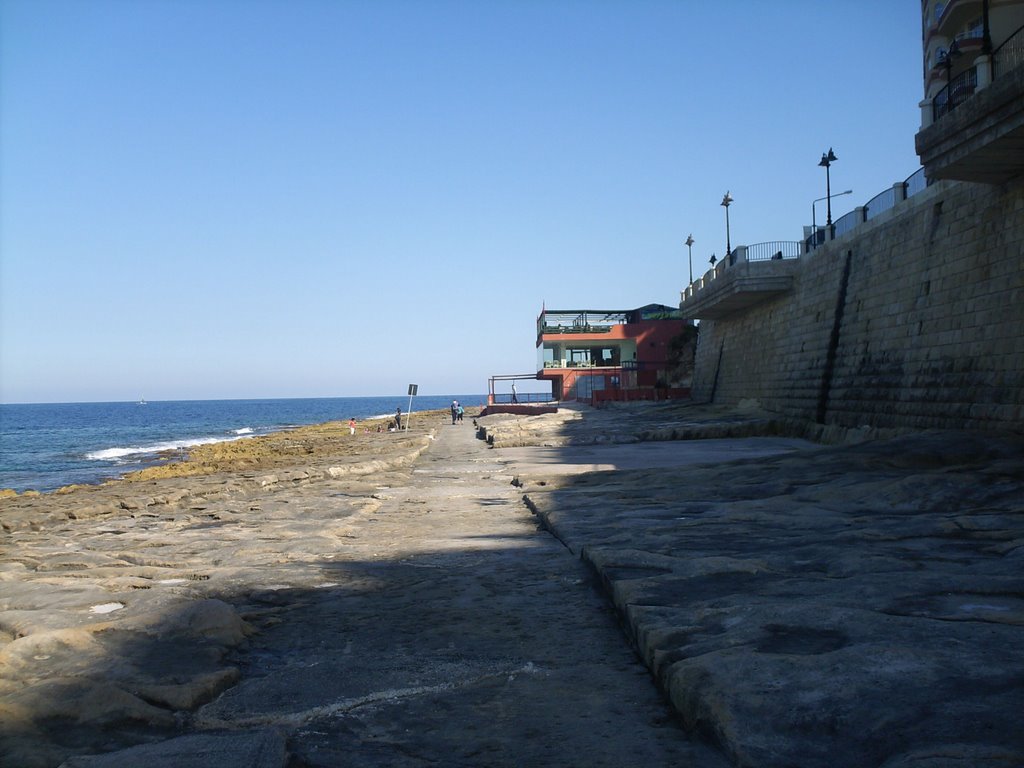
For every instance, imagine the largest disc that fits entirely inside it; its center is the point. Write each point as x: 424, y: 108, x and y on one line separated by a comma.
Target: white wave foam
x: 244, y: 431
x: 106, y: 608
x: 113, y: 454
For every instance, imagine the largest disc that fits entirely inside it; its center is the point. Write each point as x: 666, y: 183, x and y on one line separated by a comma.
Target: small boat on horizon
x: 142, y: 401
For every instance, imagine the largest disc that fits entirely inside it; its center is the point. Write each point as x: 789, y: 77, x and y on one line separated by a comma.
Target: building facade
x: 961, y: 40
x: 593, y: 355
x: 972, y: 115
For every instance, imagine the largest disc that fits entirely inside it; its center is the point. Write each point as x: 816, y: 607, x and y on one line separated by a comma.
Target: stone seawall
x: 914, y: 320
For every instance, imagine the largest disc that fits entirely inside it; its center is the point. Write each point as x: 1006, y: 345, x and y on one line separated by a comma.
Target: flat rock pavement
x: 846, y: 606
x: 450, y: 630
x: 643, y: 586
x: 417, y: 615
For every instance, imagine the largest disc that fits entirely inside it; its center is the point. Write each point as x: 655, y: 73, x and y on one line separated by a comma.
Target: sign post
x: 412, y: 393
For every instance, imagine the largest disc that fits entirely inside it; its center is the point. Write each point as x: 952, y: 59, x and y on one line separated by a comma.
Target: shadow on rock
x: 850, y: 606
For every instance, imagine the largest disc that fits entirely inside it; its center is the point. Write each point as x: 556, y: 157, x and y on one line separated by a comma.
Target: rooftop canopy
x: 595, y: 318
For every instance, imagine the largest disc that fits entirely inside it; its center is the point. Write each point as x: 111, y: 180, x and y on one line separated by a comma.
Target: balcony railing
x: 520, y: 398
x: 1009, y: 54
x: 955, y: 93
x: 545, y: 329
x: 578, y: 364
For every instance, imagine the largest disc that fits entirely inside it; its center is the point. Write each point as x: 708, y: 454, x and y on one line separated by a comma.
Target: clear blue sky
x: 259, y: 198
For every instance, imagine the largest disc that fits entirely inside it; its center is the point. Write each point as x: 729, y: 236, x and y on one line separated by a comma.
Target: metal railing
x: 505, y: 398
x: 880, y: 203
x: 816, y: 238
x: 641, y: 365
x: 915, y: 182
x: 844, y: 224
x: 883, y: 201
x: 1009, y: 54
x: 549, y: 329
x: 774, y: 250
x: 566, y: 363
x: 955, y: 93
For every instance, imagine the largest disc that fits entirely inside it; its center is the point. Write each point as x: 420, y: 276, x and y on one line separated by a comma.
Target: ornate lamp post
x: 943, y: 101
x: 946, y: 60
x: 727, y: 201
x: 826, y: 163
x: 689, y: 245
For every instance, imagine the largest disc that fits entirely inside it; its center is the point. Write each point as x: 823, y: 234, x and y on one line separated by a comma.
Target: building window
x: 593, y: 356
x: 577, y: 357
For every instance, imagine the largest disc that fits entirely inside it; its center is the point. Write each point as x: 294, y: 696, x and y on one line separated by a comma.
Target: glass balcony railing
x: 579, y: 364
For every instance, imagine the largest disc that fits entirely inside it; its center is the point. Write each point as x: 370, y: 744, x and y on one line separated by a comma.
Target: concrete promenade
x: 455, y: 633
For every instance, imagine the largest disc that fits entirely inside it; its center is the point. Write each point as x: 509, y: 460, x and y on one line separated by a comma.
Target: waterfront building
x: 972, y: 115
x: 595, y: 355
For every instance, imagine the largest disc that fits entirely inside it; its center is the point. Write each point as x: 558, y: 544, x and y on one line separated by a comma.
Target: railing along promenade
x: 1009, y: 55
x: 778, y: 250
x: 880, y: 203
x: 773, y: 250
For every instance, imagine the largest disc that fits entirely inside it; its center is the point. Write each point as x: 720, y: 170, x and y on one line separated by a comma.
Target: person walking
x: 398, y: 418
x: 455, y: 410
x: 459, y: 411
x: 351, y: 426
x: 514, y: 398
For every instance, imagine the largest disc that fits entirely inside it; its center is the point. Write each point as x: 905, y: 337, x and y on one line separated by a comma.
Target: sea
x: 49, y: 445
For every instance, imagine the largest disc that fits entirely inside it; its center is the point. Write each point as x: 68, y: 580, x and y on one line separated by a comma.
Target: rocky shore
x: 315, y: 598
x: 121, y: 603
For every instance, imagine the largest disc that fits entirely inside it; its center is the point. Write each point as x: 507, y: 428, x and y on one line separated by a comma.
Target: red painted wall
x: 652, y: 339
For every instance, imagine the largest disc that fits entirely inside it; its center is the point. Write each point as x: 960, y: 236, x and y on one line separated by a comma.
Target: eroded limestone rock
x: 841, y: 607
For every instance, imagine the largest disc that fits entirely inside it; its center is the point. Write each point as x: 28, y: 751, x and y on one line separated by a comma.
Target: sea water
x: 46, y: 446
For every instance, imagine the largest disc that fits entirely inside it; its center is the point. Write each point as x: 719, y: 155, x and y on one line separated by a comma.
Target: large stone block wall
x: 913, y: 320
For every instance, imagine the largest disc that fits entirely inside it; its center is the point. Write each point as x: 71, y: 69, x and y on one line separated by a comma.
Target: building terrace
x: 583, y: 352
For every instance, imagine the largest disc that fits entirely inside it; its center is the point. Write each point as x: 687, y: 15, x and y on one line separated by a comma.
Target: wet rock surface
x: 400, y: 600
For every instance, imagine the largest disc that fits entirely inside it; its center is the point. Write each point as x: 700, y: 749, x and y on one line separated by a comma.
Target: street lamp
x: 826, y: 163
x: 726, y: 201
x: 689, y: 245
x: 945, y: 103
x: 814, y: 220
